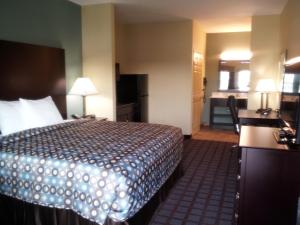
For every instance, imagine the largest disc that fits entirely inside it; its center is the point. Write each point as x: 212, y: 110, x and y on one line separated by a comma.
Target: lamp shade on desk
x: 265, y: 86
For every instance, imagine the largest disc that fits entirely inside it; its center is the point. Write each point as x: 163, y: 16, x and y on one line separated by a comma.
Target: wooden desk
x: 250, y: 117
x: 268, y: 180
x: 259, y: 137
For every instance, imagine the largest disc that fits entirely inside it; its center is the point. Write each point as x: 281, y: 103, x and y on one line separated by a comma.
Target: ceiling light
x: 236, y: 55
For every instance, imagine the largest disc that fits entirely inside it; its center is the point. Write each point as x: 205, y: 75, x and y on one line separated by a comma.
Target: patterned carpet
x: 205, y: 194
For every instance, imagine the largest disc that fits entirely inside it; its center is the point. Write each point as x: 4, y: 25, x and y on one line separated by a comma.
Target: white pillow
x: 39, y: 113
x: 11, y: 120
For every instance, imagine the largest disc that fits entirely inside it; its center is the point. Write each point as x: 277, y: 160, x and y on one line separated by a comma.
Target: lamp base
x: 90, y: 116
x: 264, y: 111
x: 260, y: 110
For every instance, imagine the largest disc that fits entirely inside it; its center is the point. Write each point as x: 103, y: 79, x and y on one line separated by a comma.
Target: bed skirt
x: 17, y: 212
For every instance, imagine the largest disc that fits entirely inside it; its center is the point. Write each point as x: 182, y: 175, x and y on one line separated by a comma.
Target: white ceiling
x: 214, y: 15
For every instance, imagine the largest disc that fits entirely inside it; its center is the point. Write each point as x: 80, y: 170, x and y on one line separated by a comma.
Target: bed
x: 106, y: 172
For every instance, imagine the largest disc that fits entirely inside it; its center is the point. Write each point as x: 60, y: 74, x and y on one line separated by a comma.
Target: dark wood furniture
x: 268, y: 180
x: 125, y: 112
x: 290, y: 94
x: 219, y: 112
x: 132, y: 96
x: 288, y: 107
x: 33, y: 72
x: 250, y: 117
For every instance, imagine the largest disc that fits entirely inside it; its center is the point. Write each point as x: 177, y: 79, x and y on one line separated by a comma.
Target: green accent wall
x: 55, y: 23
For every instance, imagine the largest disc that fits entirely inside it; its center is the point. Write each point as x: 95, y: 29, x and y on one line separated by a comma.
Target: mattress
x: 98, y: 169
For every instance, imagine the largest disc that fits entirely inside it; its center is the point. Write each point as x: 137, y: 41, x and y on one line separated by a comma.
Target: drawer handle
x: 237, y: 196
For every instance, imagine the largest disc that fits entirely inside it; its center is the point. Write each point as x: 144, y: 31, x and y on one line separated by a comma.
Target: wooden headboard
x: 32, y: 72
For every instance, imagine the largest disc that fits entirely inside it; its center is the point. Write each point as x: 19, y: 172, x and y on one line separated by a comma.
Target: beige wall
x: 265, y: 46
x: 120, y: 42
x: 164, y: 51
x: 290, y: 28
x: 216, y: 44
x: 98, y: 57
x: 270, y: 37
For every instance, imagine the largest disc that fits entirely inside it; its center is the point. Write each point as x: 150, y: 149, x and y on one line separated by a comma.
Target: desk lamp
x: 83, y: 86
x: 265, y: 87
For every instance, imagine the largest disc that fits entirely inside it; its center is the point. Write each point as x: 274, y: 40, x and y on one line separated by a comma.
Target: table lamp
x: 265, y: 87
x: 83, y: 86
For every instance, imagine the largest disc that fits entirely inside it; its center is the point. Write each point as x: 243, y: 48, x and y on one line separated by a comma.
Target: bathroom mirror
x: 234, y: 75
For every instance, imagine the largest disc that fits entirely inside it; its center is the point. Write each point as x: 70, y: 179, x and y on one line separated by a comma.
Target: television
x: 290, y: 100
x: 127, y: 89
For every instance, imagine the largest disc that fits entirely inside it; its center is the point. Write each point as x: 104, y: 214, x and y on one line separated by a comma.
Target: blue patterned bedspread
x: 99, y: 169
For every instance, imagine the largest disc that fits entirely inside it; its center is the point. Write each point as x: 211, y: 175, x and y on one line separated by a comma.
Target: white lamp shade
x: 83, y: 86
x: 265, y: 85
